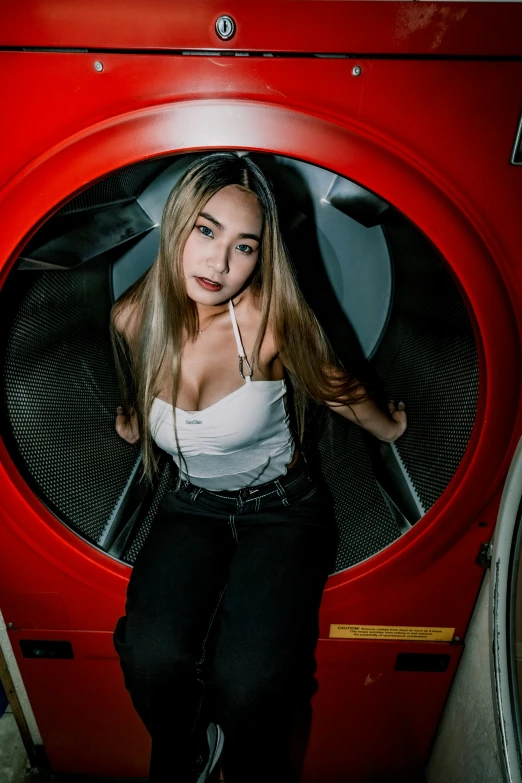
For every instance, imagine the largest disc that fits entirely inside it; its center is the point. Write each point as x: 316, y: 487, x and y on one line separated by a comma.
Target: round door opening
x: 378, y: 286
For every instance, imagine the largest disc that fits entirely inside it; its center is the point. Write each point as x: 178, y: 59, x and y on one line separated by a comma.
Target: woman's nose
x: 218, y: 260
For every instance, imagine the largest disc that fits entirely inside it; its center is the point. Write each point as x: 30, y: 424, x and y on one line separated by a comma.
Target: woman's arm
x: 376, y: 421
x: 127, y: 426
x: 385, y: 425
x: 124, y: 321
x: 366, y: 414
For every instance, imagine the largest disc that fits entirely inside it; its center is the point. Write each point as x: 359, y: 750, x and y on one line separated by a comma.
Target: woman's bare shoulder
x: 268, y: 344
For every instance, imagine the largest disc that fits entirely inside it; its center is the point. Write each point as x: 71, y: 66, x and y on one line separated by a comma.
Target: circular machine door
x: 381, y: 290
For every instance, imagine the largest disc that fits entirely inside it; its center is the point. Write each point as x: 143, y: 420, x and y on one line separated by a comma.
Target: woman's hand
x: 371, y: 417
x: 127, y: 426
x: 398, y: 414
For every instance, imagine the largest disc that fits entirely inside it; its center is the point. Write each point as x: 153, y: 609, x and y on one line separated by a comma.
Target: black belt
x: 294, y: 472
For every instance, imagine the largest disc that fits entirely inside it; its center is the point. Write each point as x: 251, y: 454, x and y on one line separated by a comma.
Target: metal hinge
x: 485, y: 554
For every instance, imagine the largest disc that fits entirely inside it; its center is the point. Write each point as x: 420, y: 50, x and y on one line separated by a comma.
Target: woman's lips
x: 209, y: 285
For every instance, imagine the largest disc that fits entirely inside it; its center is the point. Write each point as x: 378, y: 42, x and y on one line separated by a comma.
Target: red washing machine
x: 390, y: 133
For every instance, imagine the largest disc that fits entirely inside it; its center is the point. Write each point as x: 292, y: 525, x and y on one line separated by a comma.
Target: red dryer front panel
x: 389, y: 131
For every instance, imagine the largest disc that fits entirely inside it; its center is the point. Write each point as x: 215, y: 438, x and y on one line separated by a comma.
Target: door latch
x: 485, y: 554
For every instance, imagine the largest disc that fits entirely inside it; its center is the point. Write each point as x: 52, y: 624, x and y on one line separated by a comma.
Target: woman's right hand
x: 398, y: 414
x: 127, y: 425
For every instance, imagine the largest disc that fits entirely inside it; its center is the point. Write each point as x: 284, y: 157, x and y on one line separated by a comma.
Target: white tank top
x: 242, y: 440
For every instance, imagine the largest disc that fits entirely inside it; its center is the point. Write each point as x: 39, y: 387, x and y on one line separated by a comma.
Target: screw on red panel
x: 225, y: 27
x: 98, y: 66
x: 356, y: 70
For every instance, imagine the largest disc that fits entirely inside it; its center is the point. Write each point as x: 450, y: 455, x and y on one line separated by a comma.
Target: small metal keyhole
x: 225, y: 27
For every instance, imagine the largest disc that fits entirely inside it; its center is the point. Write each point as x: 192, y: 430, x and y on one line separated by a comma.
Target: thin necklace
x: 200, y: 331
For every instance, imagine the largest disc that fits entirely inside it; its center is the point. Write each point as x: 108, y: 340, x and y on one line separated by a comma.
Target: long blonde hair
x: 165, y: 314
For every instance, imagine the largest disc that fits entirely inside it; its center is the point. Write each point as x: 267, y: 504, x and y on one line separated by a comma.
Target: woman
x: 238, y: 555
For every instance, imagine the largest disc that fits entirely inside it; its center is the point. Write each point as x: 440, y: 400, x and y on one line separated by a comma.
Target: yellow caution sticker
x: 410, y: 633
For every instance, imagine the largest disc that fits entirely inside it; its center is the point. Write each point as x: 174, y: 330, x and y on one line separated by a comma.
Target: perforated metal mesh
x: 60, y: 394
x: 167, y: 482
x: 428, y: 359
x: 120, y: 186
x: 364, y: 521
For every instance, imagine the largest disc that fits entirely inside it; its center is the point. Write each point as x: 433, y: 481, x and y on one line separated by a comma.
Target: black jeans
x: 221, y: 624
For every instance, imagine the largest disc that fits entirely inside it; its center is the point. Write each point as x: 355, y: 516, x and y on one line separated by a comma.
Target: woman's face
x: 223, y: 247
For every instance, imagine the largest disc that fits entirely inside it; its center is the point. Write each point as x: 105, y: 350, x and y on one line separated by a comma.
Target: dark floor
x: 14, y: 766
x: 13, y: 759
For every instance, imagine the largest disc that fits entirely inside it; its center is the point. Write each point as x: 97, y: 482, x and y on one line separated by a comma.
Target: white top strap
x: 241, y: 351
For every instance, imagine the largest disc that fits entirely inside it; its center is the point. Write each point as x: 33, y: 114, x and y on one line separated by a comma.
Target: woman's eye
x: 245, y: 248
x: 203, y: 230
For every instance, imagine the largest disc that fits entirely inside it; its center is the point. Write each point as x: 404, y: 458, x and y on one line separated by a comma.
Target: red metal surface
x: 433, y: 138
x: 358, y: 681
x: 268, y: 26
x: 369, y: 691
x: 79, y: 703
